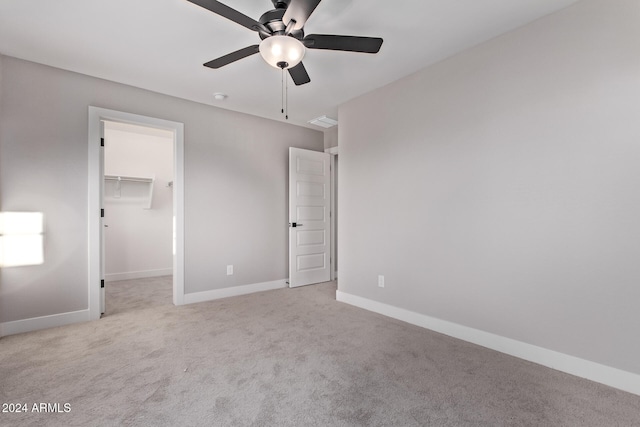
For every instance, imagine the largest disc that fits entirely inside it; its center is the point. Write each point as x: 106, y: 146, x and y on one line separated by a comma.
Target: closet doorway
x: 138, y: 220
x: 145, y: 196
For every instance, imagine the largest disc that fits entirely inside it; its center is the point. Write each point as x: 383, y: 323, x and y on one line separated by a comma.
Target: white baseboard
x: 114, y: 277
x: 612, y: 377
x: 44, y: 322
x: 233, y: 291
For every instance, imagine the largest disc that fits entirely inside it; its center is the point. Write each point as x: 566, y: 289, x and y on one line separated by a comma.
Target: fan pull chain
x: 284, y: 96
x: 282, y: 92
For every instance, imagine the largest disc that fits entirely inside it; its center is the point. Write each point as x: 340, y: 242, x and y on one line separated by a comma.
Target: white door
x: 309, y: 207
x: 102, y: 224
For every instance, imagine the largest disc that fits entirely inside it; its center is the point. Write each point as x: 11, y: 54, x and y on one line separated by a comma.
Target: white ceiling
x: 160, y: 45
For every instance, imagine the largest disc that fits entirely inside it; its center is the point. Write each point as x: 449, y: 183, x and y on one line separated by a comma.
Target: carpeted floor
x: 291, y: 357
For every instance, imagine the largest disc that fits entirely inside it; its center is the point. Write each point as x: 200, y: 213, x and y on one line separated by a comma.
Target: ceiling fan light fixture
x: 282, y: 51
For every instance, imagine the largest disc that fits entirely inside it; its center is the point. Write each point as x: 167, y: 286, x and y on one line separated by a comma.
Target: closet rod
x: 127, y: 178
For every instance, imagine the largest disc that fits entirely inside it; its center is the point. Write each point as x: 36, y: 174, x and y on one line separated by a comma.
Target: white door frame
x: 334, y: 213
x: 96, y: 116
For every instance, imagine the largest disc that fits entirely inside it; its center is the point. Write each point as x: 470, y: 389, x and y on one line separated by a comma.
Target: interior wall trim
x: 43, y: 322
x: 234, y: 291
x: 129, y: 275
x: 613, y: 377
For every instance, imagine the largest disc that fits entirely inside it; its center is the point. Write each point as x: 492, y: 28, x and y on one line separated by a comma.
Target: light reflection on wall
x: 21, y: 238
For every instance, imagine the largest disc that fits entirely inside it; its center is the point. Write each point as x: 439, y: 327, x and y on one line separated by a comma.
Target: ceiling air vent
x: 323, y: 121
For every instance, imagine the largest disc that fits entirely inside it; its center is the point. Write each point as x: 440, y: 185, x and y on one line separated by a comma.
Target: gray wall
x: 331, y: 137
x: 1, y: 90
x: 499, y: 189
x: 235, y: 184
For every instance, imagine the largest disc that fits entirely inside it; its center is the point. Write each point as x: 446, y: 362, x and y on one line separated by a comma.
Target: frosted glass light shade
x: 282, y: 51
x: 21, y: 239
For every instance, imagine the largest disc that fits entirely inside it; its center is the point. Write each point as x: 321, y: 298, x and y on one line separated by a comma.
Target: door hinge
x: 101, y: 142
x: 102, y: 283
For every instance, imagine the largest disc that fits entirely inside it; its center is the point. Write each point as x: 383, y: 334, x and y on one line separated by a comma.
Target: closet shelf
x: 121, y: 178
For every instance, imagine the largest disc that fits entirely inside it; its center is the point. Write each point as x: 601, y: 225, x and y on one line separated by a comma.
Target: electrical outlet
x: 229, y: 270
x: 381, y: 281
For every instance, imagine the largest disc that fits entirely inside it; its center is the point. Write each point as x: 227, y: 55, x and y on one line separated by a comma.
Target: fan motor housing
x: 281, y: 4
x: 273, y: 21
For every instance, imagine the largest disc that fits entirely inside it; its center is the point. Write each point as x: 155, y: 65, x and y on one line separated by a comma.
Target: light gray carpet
x: 291, y: 357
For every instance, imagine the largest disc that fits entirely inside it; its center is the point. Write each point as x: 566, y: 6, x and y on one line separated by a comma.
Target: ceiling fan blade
x: 299, y: 10
x: 233, y: 56
x: 346, y: 43
x: 299, y: 74
x: 231, y: 14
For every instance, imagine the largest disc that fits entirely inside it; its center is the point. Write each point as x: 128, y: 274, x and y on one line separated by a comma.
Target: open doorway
x: 138, y: 214
x: 134, y: 192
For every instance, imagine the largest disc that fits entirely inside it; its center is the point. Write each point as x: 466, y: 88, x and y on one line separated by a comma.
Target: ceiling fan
x: 283, y: 42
